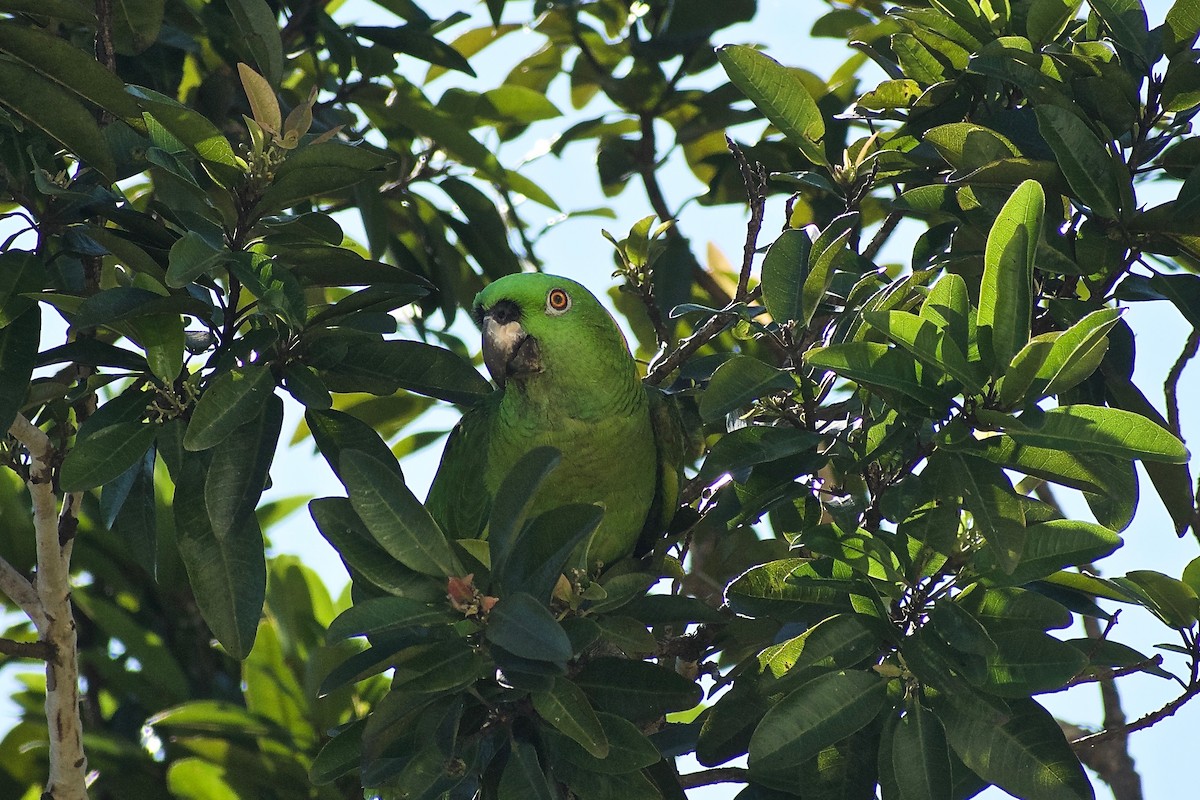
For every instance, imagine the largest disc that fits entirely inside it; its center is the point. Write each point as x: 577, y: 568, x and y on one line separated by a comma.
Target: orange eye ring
x: 557, y: 301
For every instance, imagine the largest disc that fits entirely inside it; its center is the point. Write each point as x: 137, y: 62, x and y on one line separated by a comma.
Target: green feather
x: 574, y: 388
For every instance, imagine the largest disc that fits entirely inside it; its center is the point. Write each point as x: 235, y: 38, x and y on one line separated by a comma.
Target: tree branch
x: 1123, y: 729
x: 20, y: 590
x: 710, y: 776
x: 1171, y: 384
x: 68, y: 763
x: 755, y: 179
x: 39, y: 650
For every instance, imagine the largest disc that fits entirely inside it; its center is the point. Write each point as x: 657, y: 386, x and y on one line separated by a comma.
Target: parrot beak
x: 507, y: 348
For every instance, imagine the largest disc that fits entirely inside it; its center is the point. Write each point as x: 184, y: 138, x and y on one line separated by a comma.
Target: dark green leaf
x: 525, y: 627
x: 238, y: 472
x: 192, y: 256
x: 260, y: 31
x: 567, y: 709
x: 317, y: 170
x: 920, y: 756
x: 821, y: 261
x: 1098, y: 429
x: 336, y: 432
x: 1023, y: 753
x: 753, y: 445
x: 381, y: 615
x: 106, y: 455
x: 628, y: 749
x: 1175, y: 601
x: 48, y: 106
x: 18, y: 352
x: 230, y: 401
x: 544, y: 547
x: 1028, y: 662
x: 822, y: 712
x: 513, y: 500
x: 636, y: 690
x: 340, y: 755
x: 784, y: 271
x: 876, y: 365
x: 227, y: 573
x: 1083, y: 159
x: 395, y: 517
x: 1057, y: 544
x: 738, y: 381
x: 416, y: 366
x: 1126, y: 19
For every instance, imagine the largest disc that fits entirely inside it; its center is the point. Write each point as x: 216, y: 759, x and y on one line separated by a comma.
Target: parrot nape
x: 565, y: 379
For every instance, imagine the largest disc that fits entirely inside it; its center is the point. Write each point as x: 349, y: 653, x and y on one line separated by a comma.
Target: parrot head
x: 534, y: 323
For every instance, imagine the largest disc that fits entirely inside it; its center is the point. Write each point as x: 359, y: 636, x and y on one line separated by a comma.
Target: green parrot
x: 565, y: 379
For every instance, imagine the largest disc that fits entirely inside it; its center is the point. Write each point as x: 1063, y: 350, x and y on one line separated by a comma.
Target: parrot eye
x: 557, y: 302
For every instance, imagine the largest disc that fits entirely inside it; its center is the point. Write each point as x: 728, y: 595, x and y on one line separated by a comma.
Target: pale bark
x: 52, y: 614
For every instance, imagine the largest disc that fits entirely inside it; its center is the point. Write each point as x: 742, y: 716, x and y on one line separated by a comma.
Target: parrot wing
x: 675, y: 446
x: 458, y: 499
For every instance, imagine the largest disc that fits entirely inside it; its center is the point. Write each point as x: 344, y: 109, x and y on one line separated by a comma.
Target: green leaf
x: 948, y: 306
x: 395, y: 517
x: 513, y: 500
x: 121, y: 303
x: 485, y: 233
x: 784, y: 270
x: 256, y: 21
x: 1005, y: 294
x: 780, y: 95
x: 227, y: 573
x: 230, y: 401
x: 1182, y: 23
x: 999, y: 515
x: 1126, y: 19
x: 1046, y: 19
x: 920, y: 756
x: 544, y: 547
x: 636, y: 690
x: 47, y: 105
x: 364, y: 557
x: 822, y: 712
x: 1028, y: 662
x: 821, y: 260
x: 106, y: 455
x: 340, y: 755
x: 194, y: 131
x: 438, y: 667
x: 21, y: 273
x: 1076, y: 353
x: 878, y: 365
x: 335, y: 432
x: 1009, y: 607
x: 753, y: 445
x: 239, y: 469
x: 418, y: 367
x: 738, y: 381
x: 56, y: 9
x: 319, y: 170
x: 74, y: 69
x: 383, y: 615
x: 523, y: 778
x: 525, y: 627
x: 1097, y: 429
x: 305, y: 386
x: 931, y: 345
x: 836, y: 642
x: 628, y: 749
x: 1082, y: 158
x: 162, y: 337
x: 1057, y: 544
x: 567, y: 709
x: 192, y: 256
x: 414, y: 40
x: 18, y: 354
x: 136, y: 24
x: 1175, y: 601
x: 1024, y: 753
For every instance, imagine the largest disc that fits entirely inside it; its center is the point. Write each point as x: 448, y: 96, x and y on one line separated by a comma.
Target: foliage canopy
x: 860, y: 590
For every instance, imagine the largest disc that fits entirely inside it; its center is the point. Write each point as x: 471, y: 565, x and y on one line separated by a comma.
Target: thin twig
x: 881, y: 235
x: 664, y: 366
x: 1146, y: 721
x: 710, y: 776
x: 1171, y: 384
x: 755, y: 180
x: 38, y: 650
